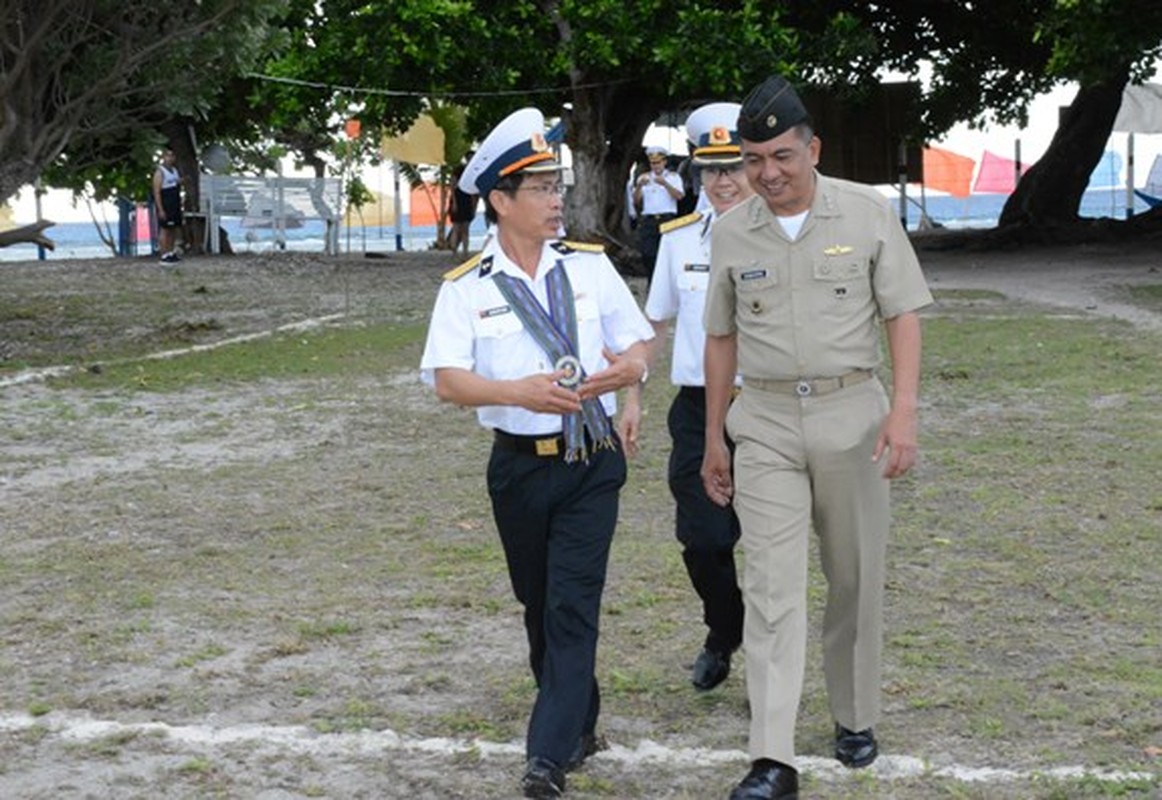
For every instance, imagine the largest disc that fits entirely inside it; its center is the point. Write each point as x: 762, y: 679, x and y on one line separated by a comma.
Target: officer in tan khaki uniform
x: 803, y: 275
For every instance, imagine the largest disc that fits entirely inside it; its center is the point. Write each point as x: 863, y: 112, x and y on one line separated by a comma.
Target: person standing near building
x: 802, y: 276
x: 461, y: 212
x: 655, y: 196
x: 706, y: 530
x: 167, y: 199
x: 537, y: 333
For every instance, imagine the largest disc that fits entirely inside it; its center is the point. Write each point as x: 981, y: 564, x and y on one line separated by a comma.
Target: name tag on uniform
x: 697, y: 267
x: 753, y: 274
x: 494, y: 312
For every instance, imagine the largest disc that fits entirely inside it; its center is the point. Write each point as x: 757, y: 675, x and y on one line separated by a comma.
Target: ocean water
x: 80, y: 239
x: 983, y: 210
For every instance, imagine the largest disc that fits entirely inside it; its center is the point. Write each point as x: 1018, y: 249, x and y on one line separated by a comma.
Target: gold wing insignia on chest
x: 837, y: 250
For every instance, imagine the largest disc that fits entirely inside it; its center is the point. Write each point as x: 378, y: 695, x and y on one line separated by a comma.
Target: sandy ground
x: 133, y: 726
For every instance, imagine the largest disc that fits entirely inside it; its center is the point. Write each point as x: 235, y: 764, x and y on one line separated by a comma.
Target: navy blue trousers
x: 707, y: 531
x: 556, y: 523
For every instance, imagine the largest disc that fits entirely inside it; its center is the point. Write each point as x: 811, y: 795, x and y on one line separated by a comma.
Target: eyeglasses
x: 714, y: 173
x: 545, y: 190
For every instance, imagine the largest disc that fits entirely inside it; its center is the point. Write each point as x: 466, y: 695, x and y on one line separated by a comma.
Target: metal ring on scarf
x: 571, y: 366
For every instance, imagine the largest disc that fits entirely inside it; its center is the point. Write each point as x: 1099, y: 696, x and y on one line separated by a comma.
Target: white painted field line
x: 33, y: 375
x: 301, y: 739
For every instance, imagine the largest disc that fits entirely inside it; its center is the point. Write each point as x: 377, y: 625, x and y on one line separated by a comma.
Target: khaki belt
x: 809, y: 388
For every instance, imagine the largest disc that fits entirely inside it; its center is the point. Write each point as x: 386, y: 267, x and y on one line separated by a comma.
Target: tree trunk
x: 14, y: 174
x: 28, y: 233
x: 601, y: 122
x: 1049, y: 194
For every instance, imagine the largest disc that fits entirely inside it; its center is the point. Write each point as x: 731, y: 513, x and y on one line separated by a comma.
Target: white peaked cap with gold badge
x: 517, y: 144
x: 713, y: 129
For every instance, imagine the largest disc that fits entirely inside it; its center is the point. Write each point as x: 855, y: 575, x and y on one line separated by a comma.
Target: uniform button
x: 756, y: 306
x: 826, y: 270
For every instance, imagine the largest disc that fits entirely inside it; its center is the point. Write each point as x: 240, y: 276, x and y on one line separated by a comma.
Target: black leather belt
x: 547, y: 446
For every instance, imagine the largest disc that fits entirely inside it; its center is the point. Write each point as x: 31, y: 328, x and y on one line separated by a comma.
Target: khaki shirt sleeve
x: 898, y: 281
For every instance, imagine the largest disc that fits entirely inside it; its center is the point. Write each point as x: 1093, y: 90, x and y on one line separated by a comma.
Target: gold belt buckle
x: 547, y: 447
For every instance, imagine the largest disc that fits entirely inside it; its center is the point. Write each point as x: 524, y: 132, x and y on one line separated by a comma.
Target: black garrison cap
x: 771, y: 108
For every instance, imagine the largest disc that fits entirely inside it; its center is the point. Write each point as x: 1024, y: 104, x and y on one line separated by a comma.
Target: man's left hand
x: 898, y: 438
x: 622, y: 371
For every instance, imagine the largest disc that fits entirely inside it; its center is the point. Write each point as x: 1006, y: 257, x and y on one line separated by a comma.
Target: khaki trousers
x: 801, y: 462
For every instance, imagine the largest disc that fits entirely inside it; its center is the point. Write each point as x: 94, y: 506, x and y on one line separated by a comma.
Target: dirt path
x: 1093, y: 279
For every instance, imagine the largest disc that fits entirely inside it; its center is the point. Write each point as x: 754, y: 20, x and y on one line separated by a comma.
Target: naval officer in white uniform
x: 537, y: 334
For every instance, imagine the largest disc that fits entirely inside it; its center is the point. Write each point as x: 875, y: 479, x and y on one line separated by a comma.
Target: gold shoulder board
x: 463, y: 269
x: 585, y: 247
x: 680, y: 222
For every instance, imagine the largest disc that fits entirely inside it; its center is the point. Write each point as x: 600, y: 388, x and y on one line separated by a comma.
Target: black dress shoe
x: 710, y: 669
x: 543, y: 779
x: 855, y: 748
x: 590, y: 743
x: 768, y: 780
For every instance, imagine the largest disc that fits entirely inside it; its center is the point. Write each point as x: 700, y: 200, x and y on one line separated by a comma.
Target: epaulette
x: 463, y: 269
x: 566, y: 247
x: 680, y: 222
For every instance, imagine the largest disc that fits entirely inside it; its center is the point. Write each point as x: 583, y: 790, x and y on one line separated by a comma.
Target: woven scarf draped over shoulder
x: 556, y: 333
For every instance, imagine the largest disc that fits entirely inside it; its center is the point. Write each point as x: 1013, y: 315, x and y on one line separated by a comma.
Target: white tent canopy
x: 1141, y: 110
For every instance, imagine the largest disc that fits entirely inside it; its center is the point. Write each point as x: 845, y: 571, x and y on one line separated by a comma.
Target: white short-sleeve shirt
x: 473, y: 327
x: 678, y: 291
x: 655, y: 198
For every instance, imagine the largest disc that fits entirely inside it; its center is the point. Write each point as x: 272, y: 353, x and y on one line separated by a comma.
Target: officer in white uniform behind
x: 537, y: 334
x: 655, y: 195
x: 707, y: 531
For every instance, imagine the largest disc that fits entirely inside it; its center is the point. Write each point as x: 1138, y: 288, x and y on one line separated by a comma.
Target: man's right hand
x: 541, y: 393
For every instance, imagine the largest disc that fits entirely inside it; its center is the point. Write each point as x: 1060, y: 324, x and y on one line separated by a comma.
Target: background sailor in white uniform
x: 707, y: 531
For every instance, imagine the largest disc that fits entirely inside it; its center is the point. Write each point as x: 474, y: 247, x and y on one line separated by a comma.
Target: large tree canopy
x: 88, y: 85
x: 609, y: 68
x: 85, y: 83
x: 1103, y: 46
